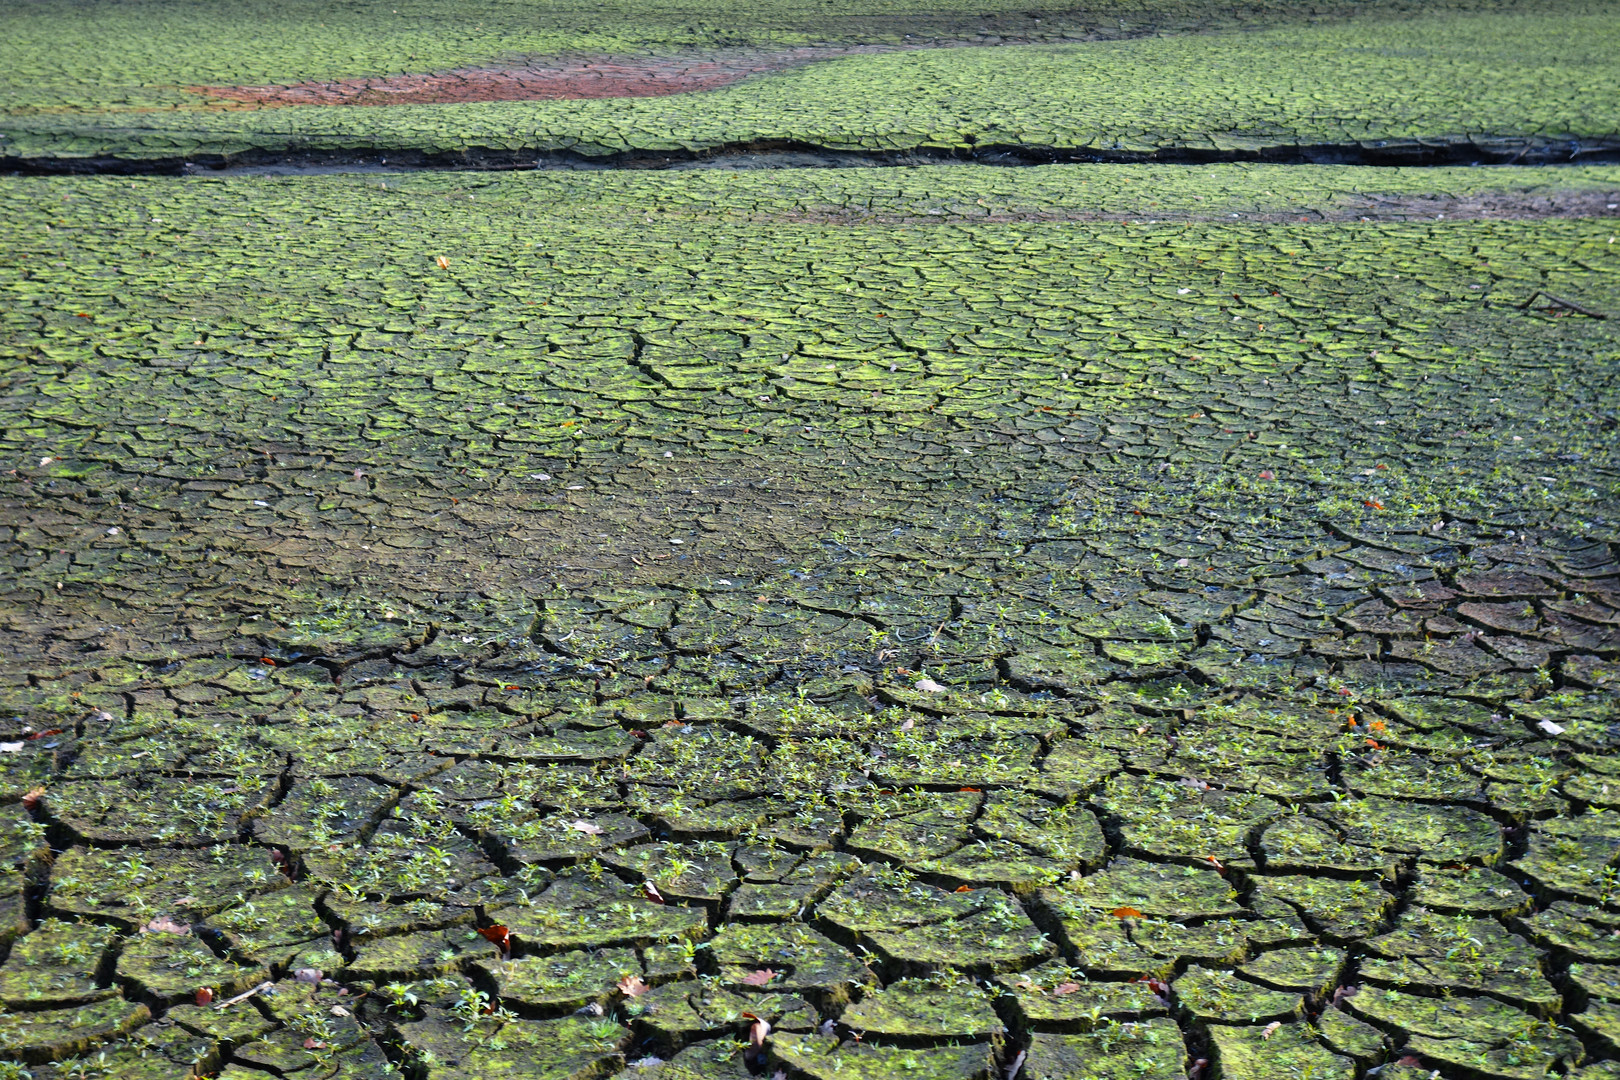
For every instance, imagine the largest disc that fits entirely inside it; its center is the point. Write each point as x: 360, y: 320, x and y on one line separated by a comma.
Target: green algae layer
x: 1488, y: 86
x: 865, y: 623
x: 122, y: 53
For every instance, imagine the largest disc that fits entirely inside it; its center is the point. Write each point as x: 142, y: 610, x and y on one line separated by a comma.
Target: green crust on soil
x: 1148, y: 1048
x: 1253, y: 1053
x: 940, y: 613
x: 926, y: 1009
x: 1336, y: 83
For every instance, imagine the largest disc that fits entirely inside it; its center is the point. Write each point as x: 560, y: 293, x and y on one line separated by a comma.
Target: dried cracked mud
x: 1105, y: 621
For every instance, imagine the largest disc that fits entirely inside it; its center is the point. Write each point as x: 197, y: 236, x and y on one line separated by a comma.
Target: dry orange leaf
x: 444, y: 263
x: 631, y: 986
x: 1125, y: 913
x: 497, y: 935
x: 759, y: 978
x: 1065, y: 988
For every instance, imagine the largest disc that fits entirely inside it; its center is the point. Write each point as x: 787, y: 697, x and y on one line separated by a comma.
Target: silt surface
x: 1114, y: 620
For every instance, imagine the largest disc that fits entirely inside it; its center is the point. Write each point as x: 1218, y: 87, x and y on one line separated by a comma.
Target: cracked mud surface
x: 953, y: 622
x: 1486, y: 86
x: 882, y: 604
x: 585, y: 78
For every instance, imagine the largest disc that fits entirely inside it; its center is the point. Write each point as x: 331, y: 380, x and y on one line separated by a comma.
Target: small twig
x: 1558, y: 301
x: 1523, y: 150
x: 227, y: 1003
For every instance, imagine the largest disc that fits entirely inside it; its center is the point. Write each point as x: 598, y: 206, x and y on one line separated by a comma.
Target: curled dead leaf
x: 166, y: 924
x: 587, y: 827
x: 1064, y: 989
x: 1270, y: 1029
x: 632, y: 986
x: 759, y: 978
x: 205, y: 996
x: 498, y: 936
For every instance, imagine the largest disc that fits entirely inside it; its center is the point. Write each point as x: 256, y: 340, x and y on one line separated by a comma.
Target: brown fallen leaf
x: 1270, y: 1029
x: 444, y: 263
x: 1062, y: 989
x: 205, y: 996
x: 498, y: 936
x: 587, y: 827
x: 757, y: 1033
x: 166, y: 924
x: 650, y: 891
x: 31, y: 800
x: 1126, y: 913
x: 759, y: 978
x: 309, y: 975
x: 631, y: 986
x: 929, y: 686
x: 312, y: 1043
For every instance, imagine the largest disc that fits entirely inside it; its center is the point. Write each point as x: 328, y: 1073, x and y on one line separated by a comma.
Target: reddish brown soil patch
x: 590, y: 77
